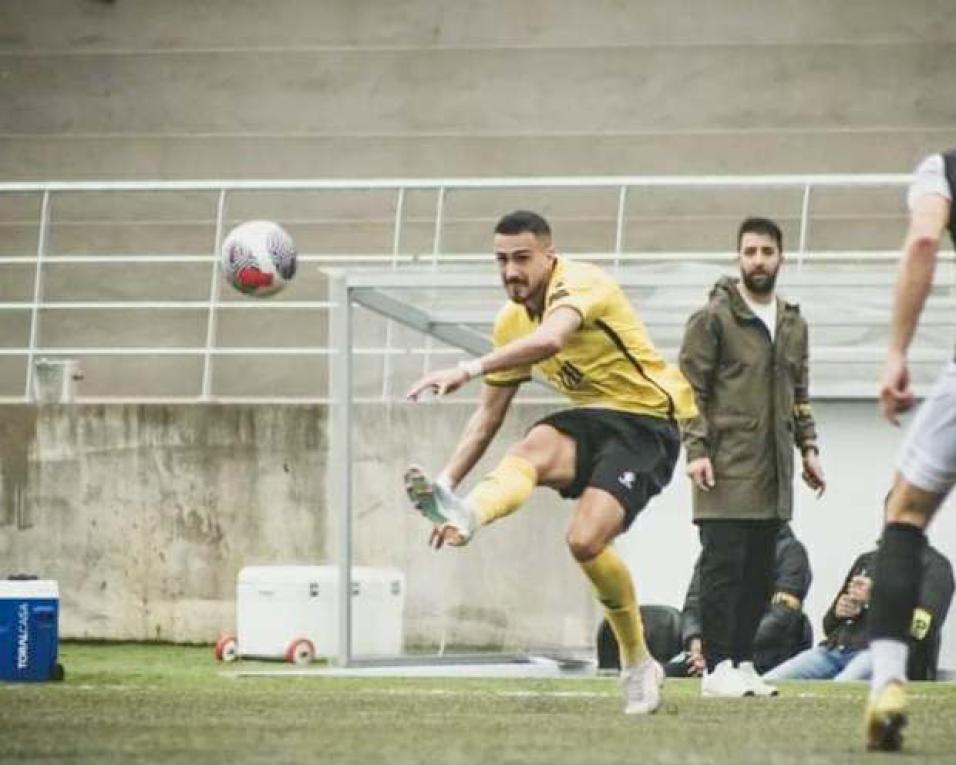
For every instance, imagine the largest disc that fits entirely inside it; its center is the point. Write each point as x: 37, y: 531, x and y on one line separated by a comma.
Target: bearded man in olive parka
x: 745, y: 353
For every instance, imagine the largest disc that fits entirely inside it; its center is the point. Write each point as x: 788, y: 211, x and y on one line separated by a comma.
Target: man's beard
x: 522, y: 288
x: 760, y: 283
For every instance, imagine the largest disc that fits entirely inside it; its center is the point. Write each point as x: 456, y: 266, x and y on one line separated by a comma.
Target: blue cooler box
x: 29, y: 630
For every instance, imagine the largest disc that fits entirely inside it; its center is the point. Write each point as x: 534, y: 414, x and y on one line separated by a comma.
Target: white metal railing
x: 624, y: 186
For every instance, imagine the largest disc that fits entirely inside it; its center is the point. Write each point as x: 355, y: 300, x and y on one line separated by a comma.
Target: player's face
x: 524, y: 262
x: 759, y: 259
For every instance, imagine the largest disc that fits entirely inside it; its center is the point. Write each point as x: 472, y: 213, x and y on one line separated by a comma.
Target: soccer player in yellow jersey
x: 614, y: 450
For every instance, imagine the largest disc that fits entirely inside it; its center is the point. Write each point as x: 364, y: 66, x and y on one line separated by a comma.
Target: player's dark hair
x: 519, y: 221
x: 763, y: 226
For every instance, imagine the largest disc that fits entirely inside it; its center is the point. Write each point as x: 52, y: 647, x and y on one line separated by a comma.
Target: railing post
x: 804, y: 225
x: 619, y: 233
x: 213, y: 301
x: 436, y: 250
x: 396, y: 248
x: 37, y: 293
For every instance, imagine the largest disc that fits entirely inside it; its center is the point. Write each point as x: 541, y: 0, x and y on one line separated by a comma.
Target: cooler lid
x: 287, y: 574
x: 29, y: 588
x: 299, y: 574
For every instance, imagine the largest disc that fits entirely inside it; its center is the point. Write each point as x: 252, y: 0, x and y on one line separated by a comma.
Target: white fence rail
x: 211, y: 309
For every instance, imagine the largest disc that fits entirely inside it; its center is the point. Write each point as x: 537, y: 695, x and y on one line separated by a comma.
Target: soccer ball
x: 258, y: 258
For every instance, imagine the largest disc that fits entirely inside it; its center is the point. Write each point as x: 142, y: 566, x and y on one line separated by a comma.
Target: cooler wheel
x: 300, y: 651
x: 227, y: 648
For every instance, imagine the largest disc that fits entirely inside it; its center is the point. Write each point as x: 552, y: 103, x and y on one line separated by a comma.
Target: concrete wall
x: 515, y: 586
x: 146, y: 514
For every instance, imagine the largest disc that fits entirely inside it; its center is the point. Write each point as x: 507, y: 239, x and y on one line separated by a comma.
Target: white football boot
x: 641, y: 687
x: 754, y: 681
x: 439, y: 504
x: 725, y: 681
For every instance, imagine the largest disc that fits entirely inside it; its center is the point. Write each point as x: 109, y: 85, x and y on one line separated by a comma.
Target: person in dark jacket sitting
x: 845, y: 656
x: 784, y: 629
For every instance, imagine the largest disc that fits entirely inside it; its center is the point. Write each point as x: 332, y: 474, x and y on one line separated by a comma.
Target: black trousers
x: 736, y: 584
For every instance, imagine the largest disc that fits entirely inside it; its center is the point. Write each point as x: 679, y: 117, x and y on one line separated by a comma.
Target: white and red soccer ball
x: 258, y: 258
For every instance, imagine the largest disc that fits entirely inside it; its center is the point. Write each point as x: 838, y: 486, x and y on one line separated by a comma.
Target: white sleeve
x: 929, y: 178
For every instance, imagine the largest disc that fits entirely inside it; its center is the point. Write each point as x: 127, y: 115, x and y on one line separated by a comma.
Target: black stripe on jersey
x: 507, y: 383
x: 616, y: 339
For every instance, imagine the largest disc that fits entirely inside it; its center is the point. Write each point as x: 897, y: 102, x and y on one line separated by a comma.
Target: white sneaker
x: 754, y: 681
x: 641, y: 687
x: 725, y: 681
x: 440, y: 504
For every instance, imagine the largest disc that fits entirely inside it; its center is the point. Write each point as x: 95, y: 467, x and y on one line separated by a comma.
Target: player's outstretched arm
x: 927, y: 221
x: 541, y: 344
x: 479, y: 432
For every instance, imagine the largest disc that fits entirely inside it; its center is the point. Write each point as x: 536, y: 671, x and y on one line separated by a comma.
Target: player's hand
x: 896, y: 395
x: 440, y: 382
x: 701, y: 472
x: 813, y: 473
x: 446, y: 533
x: 846, y: 607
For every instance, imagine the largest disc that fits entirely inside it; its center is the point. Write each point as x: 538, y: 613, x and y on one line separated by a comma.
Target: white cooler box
x: 281, y: 610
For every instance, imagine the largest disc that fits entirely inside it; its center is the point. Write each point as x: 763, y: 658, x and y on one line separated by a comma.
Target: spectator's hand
x: 896, y: 395
x: 695, y: 658
x: 701, y: 472
x: 860, y: 588
x: 813, y: 473
x: 847, y: 607
x: 440, y: 382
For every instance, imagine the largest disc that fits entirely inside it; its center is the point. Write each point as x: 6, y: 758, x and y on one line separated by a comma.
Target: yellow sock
x: 615, y: 590
x: 504, y: 489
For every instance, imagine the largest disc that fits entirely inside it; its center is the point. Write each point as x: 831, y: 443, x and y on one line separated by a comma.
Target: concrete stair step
x: 440, y: 90
x: 46, y: 24
x: 430, y: 155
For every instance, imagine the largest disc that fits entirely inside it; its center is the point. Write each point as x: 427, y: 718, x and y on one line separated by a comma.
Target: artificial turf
x: 130, y: 703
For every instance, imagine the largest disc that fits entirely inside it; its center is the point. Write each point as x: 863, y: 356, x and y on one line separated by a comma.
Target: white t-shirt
x: 766, y: 312
x: 929, y: 178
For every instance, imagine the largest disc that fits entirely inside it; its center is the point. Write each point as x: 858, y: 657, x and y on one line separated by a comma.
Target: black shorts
x: 630, y: 456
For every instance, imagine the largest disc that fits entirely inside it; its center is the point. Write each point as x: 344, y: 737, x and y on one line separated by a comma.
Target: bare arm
x: 543, y: 343
x: 927, y: 221
x: 480, y: 430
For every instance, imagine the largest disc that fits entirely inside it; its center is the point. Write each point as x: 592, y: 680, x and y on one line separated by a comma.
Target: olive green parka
x: 752, y: 394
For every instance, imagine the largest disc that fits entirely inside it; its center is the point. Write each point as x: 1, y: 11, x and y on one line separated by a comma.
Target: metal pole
x: 37, y: 292
x: 619, y: 233
x: 340, y: 454
x: 436, y: 249
x: 213, y: 300
x: 396, y: 247
x: 804, y: 225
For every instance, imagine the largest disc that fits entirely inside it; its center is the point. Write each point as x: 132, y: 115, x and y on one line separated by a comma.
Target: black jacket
x: 936, y: 594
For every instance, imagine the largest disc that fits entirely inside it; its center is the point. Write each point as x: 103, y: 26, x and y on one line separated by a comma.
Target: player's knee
x: 584, y: 545
x: 908, y: 504
x: 913, y: 515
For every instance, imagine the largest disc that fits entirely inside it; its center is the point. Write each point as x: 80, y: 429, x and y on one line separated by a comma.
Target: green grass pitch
x: 170, y: 704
